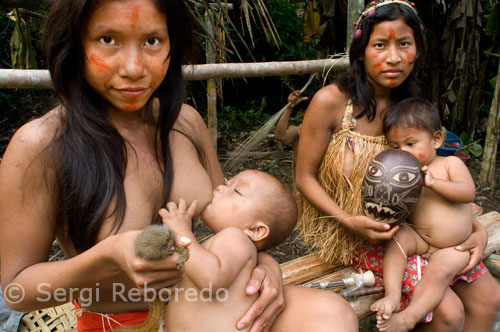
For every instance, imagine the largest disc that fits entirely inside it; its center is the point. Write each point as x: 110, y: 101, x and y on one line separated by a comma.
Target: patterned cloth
x: 372, y: 257
x: 88, y: 321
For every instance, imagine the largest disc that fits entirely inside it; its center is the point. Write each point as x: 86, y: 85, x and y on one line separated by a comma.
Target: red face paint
x: 409, y: 57
x: 255, y: 171
x: 392, y: 35
x: 421, y: 156
x: 137, y: 63
x: 135, y: 17
x: 377, y: 66
x: 93, y: 59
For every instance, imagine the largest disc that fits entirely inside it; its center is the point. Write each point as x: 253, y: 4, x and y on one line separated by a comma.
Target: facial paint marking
x: 377, y: 66
x: 409, y: 57
x: 135, y: 17
x: 93, y: 59
x: 391, y: 35
x: 421, y: 156
x: 255, y: 171
x: 137, y: 64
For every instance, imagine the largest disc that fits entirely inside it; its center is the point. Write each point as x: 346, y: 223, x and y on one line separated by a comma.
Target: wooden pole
x: 211, y: 83
x: 354, y: 8
x: 487, y: 174
x: 40, y: 79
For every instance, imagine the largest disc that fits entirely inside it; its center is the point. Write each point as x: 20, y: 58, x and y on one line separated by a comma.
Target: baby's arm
x: 460, y: 187
x: 220, y: 263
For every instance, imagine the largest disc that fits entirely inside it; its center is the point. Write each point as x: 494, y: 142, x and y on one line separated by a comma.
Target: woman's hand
x: 369, y: 228
x: 295, y: 98
x: 266, y: 279
x: 475, y: 244
x: 145, y: 274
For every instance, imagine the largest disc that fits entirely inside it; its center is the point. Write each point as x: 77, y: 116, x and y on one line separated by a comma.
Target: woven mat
x: 56, y: 319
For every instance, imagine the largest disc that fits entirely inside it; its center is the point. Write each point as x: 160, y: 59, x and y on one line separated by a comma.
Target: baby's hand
x: 428, y: 177
x: 178, y: 218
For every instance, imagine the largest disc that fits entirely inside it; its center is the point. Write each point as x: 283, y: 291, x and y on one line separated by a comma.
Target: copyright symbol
x: 13, y: 293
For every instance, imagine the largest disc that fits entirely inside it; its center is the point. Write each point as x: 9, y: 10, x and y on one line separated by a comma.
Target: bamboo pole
x: 487, y: 174
x: 354, y: 8
x: 40, y: 79
x: 211, y: 57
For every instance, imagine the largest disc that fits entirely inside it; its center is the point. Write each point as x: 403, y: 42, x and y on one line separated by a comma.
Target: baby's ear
x: 257, y: 232
x: 438, y: 138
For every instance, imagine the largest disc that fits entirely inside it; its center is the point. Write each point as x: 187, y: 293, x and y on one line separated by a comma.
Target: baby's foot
x: 398, y: 322
x: 385, y: 307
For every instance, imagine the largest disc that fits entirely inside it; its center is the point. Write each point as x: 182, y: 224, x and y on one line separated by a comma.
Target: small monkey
x: 156, y: 242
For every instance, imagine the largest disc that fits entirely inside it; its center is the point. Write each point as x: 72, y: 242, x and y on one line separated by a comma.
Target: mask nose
x: 382, y: 193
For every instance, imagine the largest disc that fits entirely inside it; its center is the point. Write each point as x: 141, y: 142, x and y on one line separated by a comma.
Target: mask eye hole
x: 374, y: 171
x: 403, y: 177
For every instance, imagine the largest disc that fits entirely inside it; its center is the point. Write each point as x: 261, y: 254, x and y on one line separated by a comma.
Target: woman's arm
x: 28, y: 203
x: 282, y: 133
x: 475, y: 244
x: 323, y: 118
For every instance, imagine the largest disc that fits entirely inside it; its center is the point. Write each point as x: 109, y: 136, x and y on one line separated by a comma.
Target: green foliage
x: 232, y: 119
x: 21, y: 50
x: 471, y: 148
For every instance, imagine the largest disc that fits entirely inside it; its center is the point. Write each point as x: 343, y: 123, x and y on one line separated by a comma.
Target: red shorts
x: 372, y: 259
x: 88, y: 321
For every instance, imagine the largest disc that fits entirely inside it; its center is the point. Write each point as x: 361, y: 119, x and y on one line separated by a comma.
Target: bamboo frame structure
x: 40, y: 79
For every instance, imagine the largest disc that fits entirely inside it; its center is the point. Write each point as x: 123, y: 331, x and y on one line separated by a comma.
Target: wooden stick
x: 489, y: 218
x: 304, y: 268
x: 493, y: 239
x: 40, y: 79
x: 492, y: 262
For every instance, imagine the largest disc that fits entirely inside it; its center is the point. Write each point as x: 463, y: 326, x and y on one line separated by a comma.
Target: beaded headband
x: 370, y: 11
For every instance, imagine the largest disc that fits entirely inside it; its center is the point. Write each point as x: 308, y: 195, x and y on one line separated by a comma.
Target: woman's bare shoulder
x: 331, y: 97
x: 34, y: 136
x: 328, y: 106
x: 190, y: 120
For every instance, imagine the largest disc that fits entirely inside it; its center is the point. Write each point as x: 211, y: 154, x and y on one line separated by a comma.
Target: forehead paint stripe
x: 392, y: 35
x: 135, y: 17
x: 93, y: 59
x: 255, y: 172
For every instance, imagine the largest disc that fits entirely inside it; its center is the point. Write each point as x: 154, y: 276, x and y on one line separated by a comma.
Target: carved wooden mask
x: 391, y: 186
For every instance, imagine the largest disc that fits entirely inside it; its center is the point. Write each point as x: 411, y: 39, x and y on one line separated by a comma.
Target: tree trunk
x: 354, y: 8
x: 487, y: 174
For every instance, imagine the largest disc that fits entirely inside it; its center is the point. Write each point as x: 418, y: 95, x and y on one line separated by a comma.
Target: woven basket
x: 56, y: 319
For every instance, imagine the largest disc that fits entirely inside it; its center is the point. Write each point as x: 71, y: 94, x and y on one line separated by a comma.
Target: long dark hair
x: 89, y: 154
x: 354, y: 83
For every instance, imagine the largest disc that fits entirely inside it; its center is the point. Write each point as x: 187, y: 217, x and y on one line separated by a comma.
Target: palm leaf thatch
x: 214, y: 15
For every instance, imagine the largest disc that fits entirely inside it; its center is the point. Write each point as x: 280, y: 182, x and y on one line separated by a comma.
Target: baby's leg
x: 443, y: 266
x: 406, y: 242
x: 309, y: 309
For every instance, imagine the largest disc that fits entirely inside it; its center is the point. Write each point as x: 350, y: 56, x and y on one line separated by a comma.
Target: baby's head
x: 256, y: 202
x: 413, y: 125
